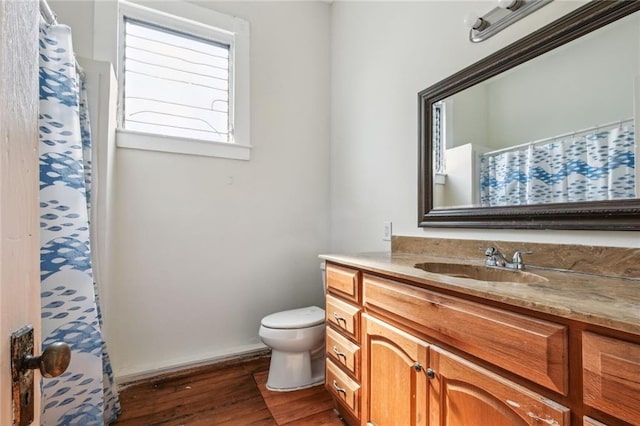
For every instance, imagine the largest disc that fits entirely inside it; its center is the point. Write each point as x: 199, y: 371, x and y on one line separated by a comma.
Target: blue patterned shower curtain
x: 85, y: 394
x: 593, y: 167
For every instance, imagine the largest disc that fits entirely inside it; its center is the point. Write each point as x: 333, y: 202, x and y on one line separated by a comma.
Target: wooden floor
x: 226, y: 394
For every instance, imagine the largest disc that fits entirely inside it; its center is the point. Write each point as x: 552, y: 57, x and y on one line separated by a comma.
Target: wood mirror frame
x: 603, y: 215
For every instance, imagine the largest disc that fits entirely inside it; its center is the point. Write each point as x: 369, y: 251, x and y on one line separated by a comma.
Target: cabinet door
x: 462, y: 393
x: 394, y: 377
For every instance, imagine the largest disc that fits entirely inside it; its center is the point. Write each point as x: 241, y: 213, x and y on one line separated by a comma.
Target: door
x: 19, y: 237
x: 464, y: 394
x: 394, y: 375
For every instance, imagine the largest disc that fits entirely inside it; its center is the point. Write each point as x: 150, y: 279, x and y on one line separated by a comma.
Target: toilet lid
x: 295, y: 318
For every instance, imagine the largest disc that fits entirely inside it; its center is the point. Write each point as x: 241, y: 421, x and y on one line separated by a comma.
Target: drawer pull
x: 338, y: 388
x: 339, y: 354
x: 338, y: 318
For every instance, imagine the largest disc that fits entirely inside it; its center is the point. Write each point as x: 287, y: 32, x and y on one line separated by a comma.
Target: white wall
x: 383, y: 54
x: 205, y: 247
x: 78, y: 14
x: 467, y: 117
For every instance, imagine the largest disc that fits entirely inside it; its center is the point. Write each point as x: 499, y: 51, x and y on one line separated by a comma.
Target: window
x: 175, y: 84
x: 438, y: 137
x: 183, y: 85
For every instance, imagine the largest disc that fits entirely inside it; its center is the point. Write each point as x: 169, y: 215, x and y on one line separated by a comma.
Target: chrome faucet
x: 496, y: 258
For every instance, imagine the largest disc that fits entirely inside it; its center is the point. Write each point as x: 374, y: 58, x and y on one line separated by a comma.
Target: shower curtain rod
x: 564, y: 135
x: 47, y: 13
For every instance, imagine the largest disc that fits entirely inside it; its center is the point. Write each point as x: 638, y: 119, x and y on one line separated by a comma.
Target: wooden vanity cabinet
x: 386, y: 365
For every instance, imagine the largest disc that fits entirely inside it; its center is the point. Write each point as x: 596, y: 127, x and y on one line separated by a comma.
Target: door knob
x: 53, y: 361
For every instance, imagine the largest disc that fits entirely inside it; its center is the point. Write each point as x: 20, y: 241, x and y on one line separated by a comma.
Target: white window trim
x: 189, y: 18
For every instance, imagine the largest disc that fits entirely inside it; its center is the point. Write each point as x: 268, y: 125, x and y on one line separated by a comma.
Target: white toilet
x: 296, y: 339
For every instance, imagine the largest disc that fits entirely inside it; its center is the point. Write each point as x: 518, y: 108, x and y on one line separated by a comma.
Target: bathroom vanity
x: 431, y: 335
x: 409, y: 346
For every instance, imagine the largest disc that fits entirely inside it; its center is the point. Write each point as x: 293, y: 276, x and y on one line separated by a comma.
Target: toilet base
x: 294, y: 371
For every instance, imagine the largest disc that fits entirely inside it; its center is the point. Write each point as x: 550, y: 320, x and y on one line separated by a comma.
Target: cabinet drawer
x: 342, y: 387
x: 344, y: 316
x: 343, y: 352
x: 343, y: 281
x: 532, y: 348
x: 611, y: 376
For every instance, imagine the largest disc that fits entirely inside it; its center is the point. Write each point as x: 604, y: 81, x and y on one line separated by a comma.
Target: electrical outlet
x: 386, y: 236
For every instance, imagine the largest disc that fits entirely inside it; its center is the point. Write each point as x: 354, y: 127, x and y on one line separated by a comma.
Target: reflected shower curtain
x: 85, y: 393
x: 593, y: 167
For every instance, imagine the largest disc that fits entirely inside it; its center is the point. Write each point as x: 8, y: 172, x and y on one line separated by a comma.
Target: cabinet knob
x: 418, y: 367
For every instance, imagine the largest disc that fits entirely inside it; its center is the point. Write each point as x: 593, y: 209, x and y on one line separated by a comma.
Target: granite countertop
x: 605, y: 301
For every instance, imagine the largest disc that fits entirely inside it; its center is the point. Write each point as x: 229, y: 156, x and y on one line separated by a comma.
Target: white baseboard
x: 229, y: 354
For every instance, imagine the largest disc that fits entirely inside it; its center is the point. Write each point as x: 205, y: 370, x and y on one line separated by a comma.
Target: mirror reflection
x: 559, y: 128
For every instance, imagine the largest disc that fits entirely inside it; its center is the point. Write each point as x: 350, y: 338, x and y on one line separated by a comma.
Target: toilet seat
x: 295, y: 318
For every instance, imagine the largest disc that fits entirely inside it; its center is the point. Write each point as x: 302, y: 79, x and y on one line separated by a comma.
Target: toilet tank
x: 323, y: 267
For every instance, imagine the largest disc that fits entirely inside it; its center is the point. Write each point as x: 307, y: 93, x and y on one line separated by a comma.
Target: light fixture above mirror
x: 504, y: 14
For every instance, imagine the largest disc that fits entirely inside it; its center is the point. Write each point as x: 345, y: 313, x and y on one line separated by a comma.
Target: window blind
x: 176, y: 84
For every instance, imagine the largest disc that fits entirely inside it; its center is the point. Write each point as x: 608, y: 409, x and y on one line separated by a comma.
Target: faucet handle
x: 519, y: 253
x: 494, y: 257
x: 517, y: 258
x: 489, y: 251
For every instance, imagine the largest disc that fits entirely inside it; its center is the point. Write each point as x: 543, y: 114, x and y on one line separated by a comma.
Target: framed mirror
x: 540, y: 134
